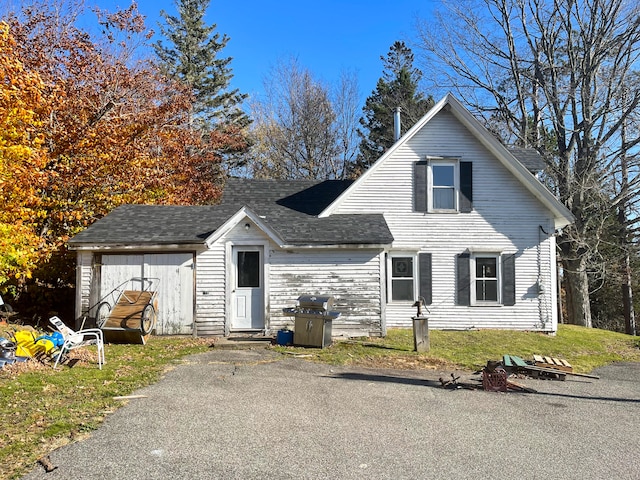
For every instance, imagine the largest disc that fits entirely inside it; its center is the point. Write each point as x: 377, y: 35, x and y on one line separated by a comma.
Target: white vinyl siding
x: 504, y: 217
x: 85, y: 301
x: 212, y: 281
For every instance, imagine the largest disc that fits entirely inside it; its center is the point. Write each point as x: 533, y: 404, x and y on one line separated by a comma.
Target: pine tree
x: 192, y: 58
x: 398, y: 87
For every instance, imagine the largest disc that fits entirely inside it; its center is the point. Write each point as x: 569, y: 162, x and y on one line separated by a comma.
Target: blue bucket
x: 284, y: 337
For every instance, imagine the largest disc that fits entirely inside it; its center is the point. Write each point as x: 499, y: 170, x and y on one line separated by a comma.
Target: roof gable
x: 562, y: 215
x: 291, y: 208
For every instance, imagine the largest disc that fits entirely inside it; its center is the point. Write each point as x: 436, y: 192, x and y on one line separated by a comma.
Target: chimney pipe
x: 396, y: 124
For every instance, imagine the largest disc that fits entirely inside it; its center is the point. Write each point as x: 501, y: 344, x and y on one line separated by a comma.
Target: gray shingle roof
x: 529, y: 157
x: 290, y: 208
x: 157, y: 224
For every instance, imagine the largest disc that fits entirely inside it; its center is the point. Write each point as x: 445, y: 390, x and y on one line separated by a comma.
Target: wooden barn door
x: 175, y: 291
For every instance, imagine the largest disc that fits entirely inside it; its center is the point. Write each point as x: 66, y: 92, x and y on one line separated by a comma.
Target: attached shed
x: 235, y: 266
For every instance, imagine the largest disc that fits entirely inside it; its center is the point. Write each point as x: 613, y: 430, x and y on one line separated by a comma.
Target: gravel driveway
x: 254, y: 414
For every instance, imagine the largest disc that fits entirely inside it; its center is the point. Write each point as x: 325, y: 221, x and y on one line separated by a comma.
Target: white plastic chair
x: 81, y: 338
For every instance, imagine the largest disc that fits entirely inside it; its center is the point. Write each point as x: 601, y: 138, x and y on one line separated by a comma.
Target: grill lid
x: 322, y: 303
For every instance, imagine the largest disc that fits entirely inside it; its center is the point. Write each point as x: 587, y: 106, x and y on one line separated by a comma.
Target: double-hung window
x: 402, y: 279
x: 409, y: 277
x: 444, y: 186
x: 486, y: 279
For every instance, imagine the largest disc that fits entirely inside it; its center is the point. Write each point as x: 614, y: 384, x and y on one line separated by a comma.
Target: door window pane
x: 248, y: 269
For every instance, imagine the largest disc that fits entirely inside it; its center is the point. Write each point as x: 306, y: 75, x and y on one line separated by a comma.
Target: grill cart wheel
x: 102, y: 314
x: 148, y: 320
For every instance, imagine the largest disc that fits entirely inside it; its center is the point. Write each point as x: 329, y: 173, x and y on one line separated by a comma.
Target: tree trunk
x: 577, y: 291
x: 625, y: 193
x: 627, y: 298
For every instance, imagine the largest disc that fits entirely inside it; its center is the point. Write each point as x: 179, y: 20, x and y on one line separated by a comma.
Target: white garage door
x: 175, y: 286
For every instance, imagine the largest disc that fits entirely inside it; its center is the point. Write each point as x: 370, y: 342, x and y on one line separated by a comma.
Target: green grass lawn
x: 585, y: 349
x: 42, y: 409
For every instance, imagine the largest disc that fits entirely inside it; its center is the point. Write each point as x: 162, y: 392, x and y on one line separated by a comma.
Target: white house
x: 447, y: 214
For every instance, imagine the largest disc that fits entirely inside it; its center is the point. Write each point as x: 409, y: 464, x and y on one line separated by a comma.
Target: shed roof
x: 288, y: 207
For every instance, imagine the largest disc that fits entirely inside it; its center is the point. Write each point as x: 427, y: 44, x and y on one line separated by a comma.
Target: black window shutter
x: 420, y: 187
x: 466, y: 187
x: 508, y: 280
x: 463, y: 279
x: 424, y: 261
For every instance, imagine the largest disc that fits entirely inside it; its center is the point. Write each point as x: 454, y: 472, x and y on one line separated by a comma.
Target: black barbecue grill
x: 313, y: 320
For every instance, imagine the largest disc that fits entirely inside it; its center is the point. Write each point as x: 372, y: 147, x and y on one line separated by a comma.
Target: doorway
x: 248, y: 288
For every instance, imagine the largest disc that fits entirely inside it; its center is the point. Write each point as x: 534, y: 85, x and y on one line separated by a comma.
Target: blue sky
x: 327, y: 37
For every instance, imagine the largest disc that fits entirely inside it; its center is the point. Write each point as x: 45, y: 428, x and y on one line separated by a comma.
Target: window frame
x: 443, y: 161
x: 414, y: 277
x: 473, y: 278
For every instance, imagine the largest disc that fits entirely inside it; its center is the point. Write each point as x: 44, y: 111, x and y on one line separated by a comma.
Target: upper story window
x: 443, y: 188
x: 443, y: 185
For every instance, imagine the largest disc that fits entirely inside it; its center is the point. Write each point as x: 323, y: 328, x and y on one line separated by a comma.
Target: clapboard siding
x: 505, y: 218
x: 531, y: 311
x: 84, y: 274
x: 210, y: 291
x: 389, y: 187
x: 351, y: 277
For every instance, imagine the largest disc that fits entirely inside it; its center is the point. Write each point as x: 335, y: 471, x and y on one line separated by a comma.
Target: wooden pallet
x: 553, y: 363
x: 515, y: 363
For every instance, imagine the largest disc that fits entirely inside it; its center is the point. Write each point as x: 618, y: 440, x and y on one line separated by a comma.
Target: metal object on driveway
x: 313, y: 320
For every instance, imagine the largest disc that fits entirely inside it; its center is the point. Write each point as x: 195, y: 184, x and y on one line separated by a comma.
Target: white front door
x: 247, y: 297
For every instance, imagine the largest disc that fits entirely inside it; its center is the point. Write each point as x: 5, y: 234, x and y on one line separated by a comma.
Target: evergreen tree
x: 398, y: 87
x: 192, y: 57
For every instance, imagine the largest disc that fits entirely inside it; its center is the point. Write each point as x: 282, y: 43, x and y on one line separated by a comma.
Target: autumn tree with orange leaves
x: 21, y: 162
x: 97, y: 128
